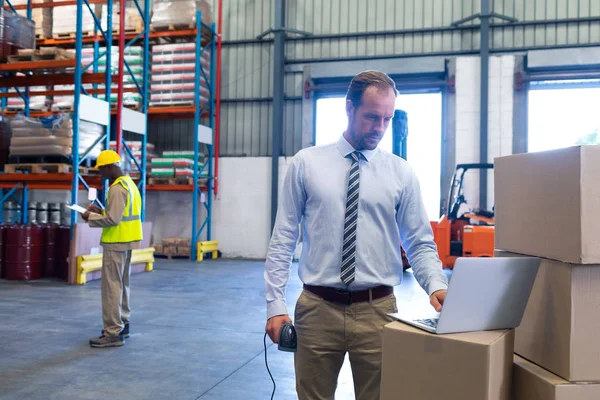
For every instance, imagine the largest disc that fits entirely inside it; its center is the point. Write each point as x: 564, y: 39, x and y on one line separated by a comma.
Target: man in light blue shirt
x: 357, y: 204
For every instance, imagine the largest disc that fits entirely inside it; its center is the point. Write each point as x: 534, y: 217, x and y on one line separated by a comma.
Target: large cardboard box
x: 418, y: 365
x: 532, y: 382
x: 546, y: 204
x: 559, y: 330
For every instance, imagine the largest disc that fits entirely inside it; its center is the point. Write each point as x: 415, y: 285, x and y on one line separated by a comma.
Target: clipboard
x: 80, y: 209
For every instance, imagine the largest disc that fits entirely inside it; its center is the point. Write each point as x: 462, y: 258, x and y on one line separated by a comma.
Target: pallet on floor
x: 186, y: 257
x: 46, y: 169
x: 172, y: 27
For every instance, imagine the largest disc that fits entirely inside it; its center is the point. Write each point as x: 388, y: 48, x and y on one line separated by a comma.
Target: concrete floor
x: 197, y: 333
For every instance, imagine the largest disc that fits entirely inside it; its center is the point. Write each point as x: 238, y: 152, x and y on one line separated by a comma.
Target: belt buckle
x: 347, y: 296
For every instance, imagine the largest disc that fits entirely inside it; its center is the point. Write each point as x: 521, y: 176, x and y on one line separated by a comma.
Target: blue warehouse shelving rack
x: 87, y: 107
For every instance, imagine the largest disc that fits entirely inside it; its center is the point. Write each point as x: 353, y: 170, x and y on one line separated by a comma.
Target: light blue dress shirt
x: 390, y: 212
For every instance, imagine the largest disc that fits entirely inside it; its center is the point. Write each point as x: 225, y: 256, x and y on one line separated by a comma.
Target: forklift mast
x: 456, y: 196
x: 399, y: 133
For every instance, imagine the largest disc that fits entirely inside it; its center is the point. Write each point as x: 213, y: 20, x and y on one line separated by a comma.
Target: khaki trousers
x: 326, y: 332
x: 116, y: 269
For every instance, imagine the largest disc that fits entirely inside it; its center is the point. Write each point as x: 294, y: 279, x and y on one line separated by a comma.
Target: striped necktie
x: 349, y: 248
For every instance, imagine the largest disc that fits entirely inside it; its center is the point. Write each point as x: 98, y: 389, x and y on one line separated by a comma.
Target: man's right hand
x: 274, y: 325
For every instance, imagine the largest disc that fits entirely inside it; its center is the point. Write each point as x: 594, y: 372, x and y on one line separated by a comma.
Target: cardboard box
x: 418, y: 365
x: 183, y: 242
x: 532, y: 382
x: 170, y: 241
x: 547, y: 204
x: 559, y: 330
x: 169, y: 251
x: 184, y: 251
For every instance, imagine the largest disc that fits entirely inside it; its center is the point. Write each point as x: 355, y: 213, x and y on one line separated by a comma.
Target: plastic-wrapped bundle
x: 42, y: 17
x: 133, y: 18
x: 64, y: 19
x: 52, y: 136
x: 173, y: 74
x: 36, y: 103
x: 16, y: 33
x: 179, y: 12
x: 133, y: 56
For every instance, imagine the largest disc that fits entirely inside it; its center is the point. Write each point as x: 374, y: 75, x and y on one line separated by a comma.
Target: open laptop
x: 483, y: 294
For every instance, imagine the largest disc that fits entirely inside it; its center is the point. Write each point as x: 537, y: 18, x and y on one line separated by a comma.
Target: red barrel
x: 50, y: 251
x: 62, y: 247
x: 24, y: 251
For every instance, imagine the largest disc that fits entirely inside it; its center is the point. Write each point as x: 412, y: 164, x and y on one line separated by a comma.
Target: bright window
x: 563, y: 117
x: 424, y: 147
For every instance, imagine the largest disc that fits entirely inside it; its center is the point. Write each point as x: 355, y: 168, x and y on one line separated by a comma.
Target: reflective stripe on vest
x: 130, y: 227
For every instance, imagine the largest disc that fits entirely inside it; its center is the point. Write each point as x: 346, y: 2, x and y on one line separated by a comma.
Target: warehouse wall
x: 247, y: 67
x: 240, y: 213
x: 242, y: 210
x: 500, y: 116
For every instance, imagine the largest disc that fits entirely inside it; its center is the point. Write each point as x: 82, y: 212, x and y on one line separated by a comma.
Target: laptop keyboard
x: 432, y: 322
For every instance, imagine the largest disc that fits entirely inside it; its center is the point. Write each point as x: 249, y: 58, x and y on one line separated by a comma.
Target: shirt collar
x: 346, y: 148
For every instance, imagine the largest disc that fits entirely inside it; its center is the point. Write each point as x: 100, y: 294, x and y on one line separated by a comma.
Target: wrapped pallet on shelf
x: 178, y: 165
x: 173, y: 75
x: 135, y: 59
x: 42, y: 17
x: 5, y: 135
x: 64, y: 21
x: 136, y: 150
x: 177, y: 14
x: 133, y: 19
x: 16, y: 32
x: 52, y: 136
x: 36, y: 103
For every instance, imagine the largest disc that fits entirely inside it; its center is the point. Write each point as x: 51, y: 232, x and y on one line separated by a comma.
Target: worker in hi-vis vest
x: 121, y: 233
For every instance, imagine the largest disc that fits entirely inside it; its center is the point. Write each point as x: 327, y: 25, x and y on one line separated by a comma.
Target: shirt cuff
x: 275, y: 308
x: 437, y: 285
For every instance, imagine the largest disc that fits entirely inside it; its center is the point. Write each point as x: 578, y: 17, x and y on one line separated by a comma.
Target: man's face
x: 105, y: 171
x: 370, y: 120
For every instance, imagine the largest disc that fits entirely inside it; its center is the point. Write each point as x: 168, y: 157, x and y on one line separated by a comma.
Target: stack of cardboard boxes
x: 548, y: 206
x: 173, y: 247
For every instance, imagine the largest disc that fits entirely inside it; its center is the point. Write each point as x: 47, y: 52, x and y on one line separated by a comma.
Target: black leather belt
x: 348, y: 297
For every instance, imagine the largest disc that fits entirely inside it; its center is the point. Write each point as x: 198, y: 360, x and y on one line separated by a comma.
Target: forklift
x: 468, y: 235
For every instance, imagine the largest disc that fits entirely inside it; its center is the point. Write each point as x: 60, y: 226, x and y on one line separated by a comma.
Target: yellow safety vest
x: 130, y: 228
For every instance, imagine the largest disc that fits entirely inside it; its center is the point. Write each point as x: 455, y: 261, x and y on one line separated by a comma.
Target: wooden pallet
x: 43, y: 54
x: 172, y: 27
x: 130, y: 30
x: 171, y: 181
x: 46, y: 169
x: 172, y: 257
x: 71, y: 35
x: 19, y: 108
x: 62, y: 108
x: 173, y: 104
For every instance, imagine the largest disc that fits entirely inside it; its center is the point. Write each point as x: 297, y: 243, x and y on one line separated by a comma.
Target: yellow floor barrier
x: 211, y: 246
x: 93, y: 262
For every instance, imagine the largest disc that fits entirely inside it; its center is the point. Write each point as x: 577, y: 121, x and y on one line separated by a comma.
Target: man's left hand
x: 437, y: 299
x: 86, y: 216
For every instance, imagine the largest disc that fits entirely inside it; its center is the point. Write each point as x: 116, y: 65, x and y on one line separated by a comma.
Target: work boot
x: 107, y: 341
x: 124, y: 331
